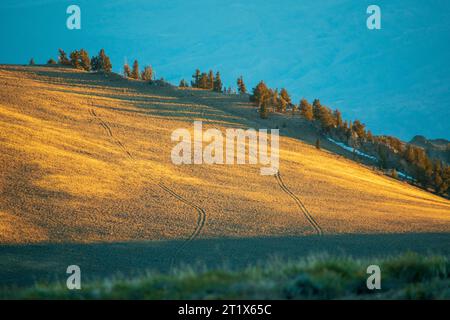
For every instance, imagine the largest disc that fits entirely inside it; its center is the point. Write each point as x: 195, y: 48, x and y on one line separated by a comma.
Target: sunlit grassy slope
x: 82, y: 156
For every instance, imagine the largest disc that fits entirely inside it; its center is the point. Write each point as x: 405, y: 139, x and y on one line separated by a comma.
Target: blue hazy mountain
x: 395, y: 79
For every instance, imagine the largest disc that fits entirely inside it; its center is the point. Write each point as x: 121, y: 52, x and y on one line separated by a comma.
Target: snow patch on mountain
x: 353, y: 150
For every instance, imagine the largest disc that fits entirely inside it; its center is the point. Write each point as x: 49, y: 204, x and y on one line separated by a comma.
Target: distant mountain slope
x: 85, y: 157
x: 397, y: 76
x: 435, y: 148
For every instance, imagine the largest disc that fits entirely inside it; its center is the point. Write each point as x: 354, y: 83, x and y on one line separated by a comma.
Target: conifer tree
x: 326, y: 118
x: 241, y: 85
x: 318, y: 144
x: 203, y: 83
x: 217, y: 83
x: 260, y: 94
x: 126, y: 70
x: 95, y: 63
x: 359, y: 129
x: 210, y: 84
x: 444, y: 187
x: 75, y: 59
x: 263, y: 110
x: 183, y: 84
x: 338, y: 118
x: 285, y: 98
x: 135, y: 71
x: 345, y: 125
x: 306, y: 110
x: 101, y: 62
x: 62, y: 58
x: 31, y: 63
x: 85, y: 62
x: 316, y: 108
x: 106, y: 65
x: 274, y: 99
x: 196, y: 79
x: 147, y: 73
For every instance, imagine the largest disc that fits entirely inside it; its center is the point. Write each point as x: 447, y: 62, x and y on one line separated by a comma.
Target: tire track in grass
x: 108, y: 130
x: 201, y: 220
x: 300, y: 204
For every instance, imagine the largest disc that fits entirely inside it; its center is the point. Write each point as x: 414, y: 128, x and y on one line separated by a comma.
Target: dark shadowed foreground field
x: 406, y: 276
x: 24, y: 265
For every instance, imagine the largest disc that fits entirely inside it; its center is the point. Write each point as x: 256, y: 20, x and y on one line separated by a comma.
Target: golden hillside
x: 86, y: 157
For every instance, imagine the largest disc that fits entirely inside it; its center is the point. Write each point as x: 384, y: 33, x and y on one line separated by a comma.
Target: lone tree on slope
x: 183, y: 84
x: 126, y: 70
x: 217, y: 83
x: 241, y: 85
x: 135, y: 71
x: 147, y: 73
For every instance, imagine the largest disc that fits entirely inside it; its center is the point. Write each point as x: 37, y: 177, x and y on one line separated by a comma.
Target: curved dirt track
x: 201, y: 220
x: 108, y: 130
x: 300, y: 204
x: 201, y: 212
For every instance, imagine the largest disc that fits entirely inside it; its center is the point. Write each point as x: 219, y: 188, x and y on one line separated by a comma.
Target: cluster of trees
x: 80, y: 59
x: 392, y: 154
x: 146, y: 74
x: 183, y: 84
x: 269, y: 100
x: 430, y: 173
x: 209, y: 81
x: 332, y: 119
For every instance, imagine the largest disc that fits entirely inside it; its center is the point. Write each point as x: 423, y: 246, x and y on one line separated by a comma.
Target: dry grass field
x: 85, y: 163
x: 86, y: 158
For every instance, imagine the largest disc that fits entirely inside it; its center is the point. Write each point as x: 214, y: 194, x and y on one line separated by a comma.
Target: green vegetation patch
x: 408, y: 276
